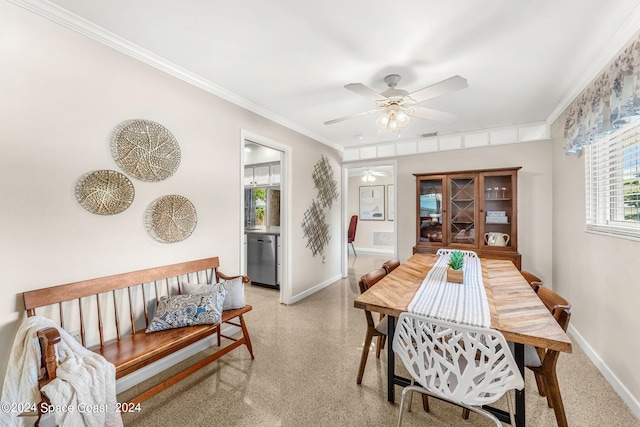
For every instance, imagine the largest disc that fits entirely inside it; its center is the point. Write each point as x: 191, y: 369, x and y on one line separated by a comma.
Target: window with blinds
x: 612, y: 174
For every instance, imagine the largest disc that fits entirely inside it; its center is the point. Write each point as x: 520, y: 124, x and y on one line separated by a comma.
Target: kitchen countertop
x: 262, y: 230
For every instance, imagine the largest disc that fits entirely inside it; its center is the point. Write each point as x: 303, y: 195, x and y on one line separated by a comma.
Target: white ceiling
x: 289, y: 59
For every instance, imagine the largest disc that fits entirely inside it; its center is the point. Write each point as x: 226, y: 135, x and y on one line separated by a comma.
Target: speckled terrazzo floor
x: 304, y: 374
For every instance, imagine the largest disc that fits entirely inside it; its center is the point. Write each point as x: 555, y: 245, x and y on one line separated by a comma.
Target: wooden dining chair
x: 391, y: 265
x: 534, y: 281
x: 374, y: 329
x: 543, y: 361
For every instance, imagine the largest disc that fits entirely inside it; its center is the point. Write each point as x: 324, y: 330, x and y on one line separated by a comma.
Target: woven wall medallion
x: 171, y: 219
x: 104, y: 192
x: 145, y: 150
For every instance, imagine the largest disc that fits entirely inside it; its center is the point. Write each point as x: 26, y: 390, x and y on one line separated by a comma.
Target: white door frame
x: 286, y: 212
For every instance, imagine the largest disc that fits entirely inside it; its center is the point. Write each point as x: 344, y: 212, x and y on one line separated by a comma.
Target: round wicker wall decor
x: 171, y: 219
x: 104, y: 192
x: 145, y: 150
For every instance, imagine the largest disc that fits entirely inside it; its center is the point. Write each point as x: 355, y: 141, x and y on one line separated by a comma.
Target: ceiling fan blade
x: 365, y: 91
x: 352, y: 116
x: 449, y: 85
x: 431, y: 114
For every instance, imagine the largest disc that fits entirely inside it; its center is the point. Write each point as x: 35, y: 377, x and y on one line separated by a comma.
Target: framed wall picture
x: 391, y: 215
x: 372, y: 203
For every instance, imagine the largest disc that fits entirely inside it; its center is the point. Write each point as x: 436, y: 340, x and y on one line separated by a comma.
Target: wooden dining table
x: 516, y: 311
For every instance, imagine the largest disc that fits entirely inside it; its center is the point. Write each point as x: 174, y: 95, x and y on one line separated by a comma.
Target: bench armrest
x: 219, y: 275
x: 48, y: 338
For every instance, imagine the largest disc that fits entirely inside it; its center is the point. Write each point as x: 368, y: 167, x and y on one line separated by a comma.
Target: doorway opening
x: 368, y: 192
x: 265, y: 202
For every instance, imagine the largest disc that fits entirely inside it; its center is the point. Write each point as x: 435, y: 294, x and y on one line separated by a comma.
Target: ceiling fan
x: 370, y: 174
x: 399, y: 105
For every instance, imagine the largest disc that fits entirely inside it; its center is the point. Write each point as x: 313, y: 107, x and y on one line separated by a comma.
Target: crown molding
x: 624, y: 34
x: 80, y: 25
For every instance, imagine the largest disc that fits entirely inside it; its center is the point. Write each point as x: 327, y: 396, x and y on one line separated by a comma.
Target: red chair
x: 351, y: 234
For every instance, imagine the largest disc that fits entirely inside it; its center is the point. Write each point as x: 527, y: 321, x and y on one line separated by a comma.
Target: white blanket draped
x: 85, y: 383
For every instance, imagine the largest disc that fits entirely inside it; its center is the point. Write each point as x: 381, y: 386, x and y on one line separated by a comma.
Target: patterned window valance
x: 611, y: 101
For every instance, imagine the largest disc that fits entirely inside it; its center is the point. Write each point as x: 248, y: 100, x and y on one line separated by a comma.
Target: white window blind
x: 612, y: 173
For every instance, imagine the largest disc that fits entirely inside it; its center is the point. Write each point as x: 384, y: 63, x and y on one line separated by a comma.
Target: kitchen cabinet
x: 274, y: 174
x: 470, y: 210
x: 256, y: 175
x: 248, y: 176
x: 262, y: 175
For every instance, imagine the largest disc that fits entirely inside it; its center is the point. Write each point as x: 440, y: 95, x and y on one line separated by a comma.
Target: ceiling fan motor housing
x: 392, y: 81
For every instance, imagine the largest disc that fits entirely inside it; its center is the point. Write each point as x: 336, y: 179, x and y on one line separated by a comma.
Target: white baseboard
x: 617, y: 385
x: 374, y: 250
x: 147, y: 372
x: 315, y: 289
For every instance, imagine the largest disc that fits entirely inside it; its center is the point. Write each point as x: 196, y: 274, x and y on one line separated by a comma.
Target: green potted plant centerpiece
x: 454, y: 272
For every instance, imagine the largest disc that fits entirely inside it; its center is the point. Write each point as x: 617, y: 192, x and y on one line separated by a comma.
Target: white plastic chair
x: 446, y: 251
x: 465, y: 365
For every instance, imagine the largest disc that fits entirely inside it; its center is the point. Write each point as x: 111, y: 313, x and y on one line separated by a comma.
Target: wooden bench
x: 96, y: 307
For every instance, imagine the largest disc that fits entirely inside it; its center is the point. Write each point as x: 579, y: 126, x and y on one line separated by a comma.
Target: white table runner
x: 464, y: 303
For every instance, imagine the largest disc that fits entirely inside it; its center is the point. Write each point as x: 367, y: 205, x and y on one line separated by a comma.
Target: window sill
x: 615, y: 235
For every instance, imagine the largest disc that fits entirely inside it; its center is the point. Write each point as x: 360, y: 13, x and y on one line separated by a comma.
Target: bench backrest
x: 104, y: 300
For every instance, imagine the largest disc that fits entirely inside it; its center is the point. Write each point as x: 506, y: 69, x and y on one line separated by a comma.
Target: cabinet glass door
x: 498, y: 210
x: 430, y: 210
x: 462, y: 211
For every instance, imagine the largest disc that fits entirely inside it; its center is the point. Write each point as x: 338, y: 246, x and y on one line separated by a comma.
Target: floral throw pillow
x: 177, y: 311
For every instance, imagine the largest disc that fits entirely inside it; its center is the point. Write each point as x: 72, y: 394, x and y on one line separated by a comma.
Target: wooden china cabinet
x: 473, y: 210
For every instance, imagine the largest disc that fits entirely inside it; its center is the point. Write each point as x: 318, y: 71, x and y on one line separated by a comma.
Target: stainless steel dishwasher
x: 262, y: 259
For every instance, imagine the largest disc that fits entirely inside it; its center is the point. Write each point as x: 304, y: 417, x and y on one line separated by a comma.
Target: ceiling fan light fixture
x: 393, y: 123
x: 402, y: 118
x: 368, y: 177
x: 383, y: 121
x: 393, y: 119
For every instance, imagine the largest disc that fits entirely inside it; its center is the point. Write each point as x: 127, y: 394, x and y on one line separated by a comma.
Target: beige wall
x: 534, y: 194
x: 598, y: 275
x: 62, y: 95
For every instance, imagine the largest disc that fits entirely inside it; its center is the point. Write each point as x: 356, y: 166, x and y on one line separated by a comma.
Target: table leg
x: 520, y: 408
x: 391, y: 359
